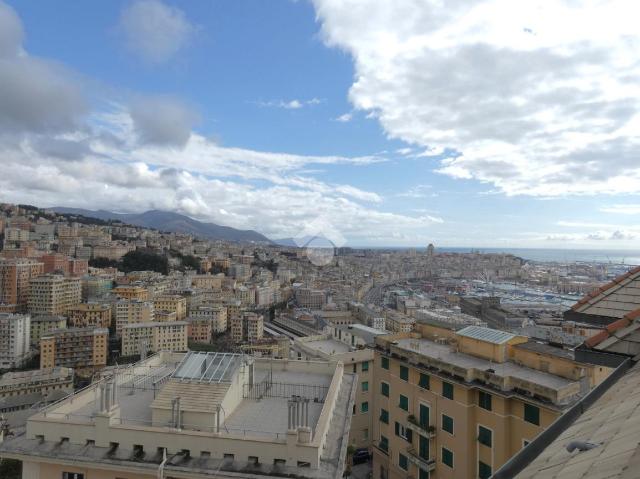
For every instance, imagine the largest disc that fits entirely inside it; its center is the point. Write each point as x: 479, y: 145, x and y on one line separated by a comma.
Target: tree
x: 144, y: 260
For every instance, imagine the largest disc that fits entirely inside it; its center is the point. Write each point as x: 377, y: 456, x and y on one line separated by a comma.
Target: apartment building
x: 216, y: 314
x: 38, y: 381
x: 310, y: 298
x: 15, y: 282
x: 399, y: 323
x: 195, y: 415
x: 41, y: 325
x: 54, y: 295
x: 96, y: 287
x: 206, y: 281
x: 90, y: 314
x: 55, y: 263
x: 248, y: 327
x: 132, y: 311
x: 154, y: 336
x: 453, y: 404
x: 84, y: 349
x: 15, y: 334
x: 347, y: 344
x: 172, y: 302
x: 131, y: 292
x: 199, y: 330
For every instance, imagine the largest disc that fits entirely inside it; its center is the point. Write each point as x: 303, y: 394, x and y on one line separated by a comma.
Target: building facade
x: 83, y: 349
x: 90, y: 314
x: 54, y: 295
x: 15, y: 337
x: 154, y: 336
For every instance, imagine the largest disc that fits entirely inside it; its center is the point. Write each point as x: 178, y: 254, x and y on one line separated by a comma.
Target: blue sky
x: 368, y: 121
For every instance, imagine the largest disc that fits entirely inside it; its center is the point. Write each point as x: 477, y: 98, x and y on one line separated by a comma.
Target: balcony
x: 423, y: 429
x: 428, y: 465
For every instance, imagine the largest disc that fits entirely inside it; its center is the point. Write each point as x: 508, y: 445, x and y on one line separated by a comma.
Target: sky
x: 461, y: 123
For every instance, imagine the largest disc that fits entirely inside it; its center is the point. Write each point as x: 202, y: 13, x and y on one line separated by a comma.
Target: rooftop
x: 489, y: 335
x: 612, y: 423
x: 506, y: 376
x: 328, y: 346
x: 250, y: 398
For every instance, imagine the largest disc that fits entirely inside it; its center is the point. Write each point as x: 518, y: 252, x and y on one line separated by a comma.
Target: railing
x: 423, y: 463
x: 424, y: 429
x: 267, y: 389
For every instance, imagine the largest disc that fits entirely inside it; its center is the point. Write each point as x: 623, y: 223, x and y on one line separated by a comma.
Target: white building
x: 15, y: 335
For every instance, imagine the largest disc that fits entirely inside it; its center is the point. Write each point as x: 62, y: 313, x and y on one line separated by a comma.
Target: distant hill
x: 173, y: 222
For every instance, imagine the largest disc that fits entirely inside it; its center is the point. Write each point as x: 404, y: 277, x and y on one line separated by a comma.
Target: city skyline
x: 388, y: 125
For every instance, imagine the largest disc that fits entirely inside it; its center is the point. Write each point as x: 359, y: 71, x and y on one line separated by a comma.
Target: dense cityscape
x: 319, y: 239
x: 160, y: 349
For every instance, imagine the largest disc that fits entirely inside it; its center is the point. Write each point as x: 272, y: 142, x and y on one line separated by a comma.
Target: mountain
x: 174, y: 222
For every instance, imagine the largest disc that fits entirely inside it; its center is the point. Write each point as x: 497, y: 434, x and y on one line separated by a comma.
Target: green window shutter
x: 532, y: 414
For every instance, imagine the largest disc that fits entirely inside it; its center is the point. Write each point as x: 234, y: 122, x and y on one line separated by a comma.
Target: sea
x: 617, y: 257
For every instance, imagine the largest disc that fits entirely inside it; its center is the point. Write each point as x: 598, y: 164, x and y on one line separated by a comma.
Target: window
x: 355, y: 368
x: 365, y: 366
x: 365, y: 386
x: 364, y: 407
x: 447, y: 390
x: 484, y: 470
x: 525, y: 443
x: 72, y: 475
x: 532, y: 414
x: 384, y: 443
x: 423, y: 474
x: 403, y: 462
x: 384, y: 362
x: 447, y: 424
x: 484, y: 436
x: 384, y: 389
x: 404, y: 432
x: 424, y: 381
x: 424, y: 415
x: 447, y: 457
x: 484, y: 400
x: 404, y: 373
x: 384, y: 416
x: 404, y: 402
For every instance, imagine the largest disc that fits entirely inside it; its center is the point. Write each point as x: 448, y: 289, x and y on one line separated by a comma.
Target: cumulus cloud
x: 35, y: 95
x: 162, y: 120
x: 344, y: 118
x: 154, y: 31
x: 535, y: 98
x: 11, y: 33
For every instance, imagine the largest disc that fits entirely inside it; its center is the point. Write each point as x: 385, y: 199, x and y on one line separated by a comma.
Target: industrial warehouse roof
x: 208, y: 367
x: 486, y: 334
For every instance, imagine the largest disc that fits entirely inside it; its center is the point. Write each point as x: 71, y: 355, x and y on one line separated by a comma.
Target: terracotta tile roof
x: 628, y: 318
x: 614, y: 299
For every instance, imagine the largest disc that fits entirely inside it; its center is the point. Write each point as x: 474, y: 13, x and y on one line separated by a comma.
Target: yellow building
x: 172, y: 302
x: 460, y: 404
x: 131, y: 292
x: 154, y: 336
x: 90, y: 314
x: 41, y: 325
x: 132, y: 311
x: 84, y: 349
x: 54, y: 294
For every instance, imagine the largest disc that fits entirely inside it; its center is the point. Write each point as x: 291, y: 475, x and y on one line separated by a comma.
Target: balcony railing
x: 426, y: 430
x: 428, y: 465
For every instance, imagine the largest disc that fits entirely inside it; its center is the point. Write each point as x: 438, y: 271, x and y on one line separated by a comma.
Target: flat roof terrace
x: 505, y: 376
x: 328, y: 346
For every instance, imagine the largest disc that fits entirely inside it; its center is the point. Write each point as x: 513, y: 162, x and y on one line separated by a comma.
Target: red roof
x: 626, y: 320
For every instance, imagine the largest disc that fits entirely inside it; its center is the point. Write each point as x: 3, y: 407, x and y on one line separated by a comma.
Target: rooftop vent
x: 581, y: 446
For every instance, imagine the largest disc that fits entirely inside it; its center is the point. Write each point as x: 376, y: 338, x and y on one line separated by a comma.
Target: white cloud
x: 628, y: 209
x: 162, y: 120
x: 344, y: 118
x: 154, y: 31
x: 417, y: 192
x: 294, y: 104
x: 538, y: 98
